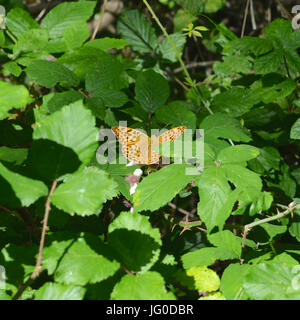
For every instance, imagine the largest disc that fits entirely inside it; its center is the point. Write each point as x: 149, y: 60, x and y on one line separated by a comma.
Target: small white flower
x: 137, y: 172
x: 132, y: 188
x: 131, y: 209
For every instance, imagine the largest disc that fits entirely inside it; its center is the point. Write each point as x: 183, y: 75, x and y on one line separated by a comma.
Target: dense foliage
x: 232, y: 231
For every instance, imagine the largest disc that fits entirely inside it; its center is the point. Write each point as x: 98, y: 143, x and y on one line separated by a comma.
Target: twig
x: 252, y: 15
x: 38, y: 267
x: 291, y: 208
x: 39, y: 17
x: 245, y: 18
x: 194, y: 65
x: 185, y: 212
x: 100, y: 19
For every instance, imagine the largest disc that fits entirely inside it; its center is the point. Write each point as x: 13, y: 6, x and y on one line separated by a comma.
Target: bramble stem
x: 291, y: 208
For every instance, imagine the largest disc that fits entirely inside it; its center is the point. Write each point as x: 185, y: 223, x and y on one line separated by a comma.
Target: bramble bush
x: 69, y: 226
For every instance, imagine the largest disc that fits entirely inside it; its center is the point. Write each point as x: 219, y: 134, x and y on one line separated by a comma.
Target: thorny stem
x: 291, y: 208
x: 38, y: 267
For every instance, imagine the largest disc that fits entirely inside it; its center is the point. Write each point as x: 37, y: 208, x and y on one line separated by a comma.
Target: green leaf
x: 66, y: 14
x: 226, y: 240
x: 78, y: 260
x: 214, y: 191
x: 273, y: 229
x: 48, y: 160
x: 63, y: 126
x: 233, y: 65
x: 19, y: 191
x: 166, y: 49
x: 107, y: 74
x: 135, y: 243
x: 246, y: 45
x: 160, y: 187
x: 18, y: 21
x: 239, y: 153
x: 111, y: 98
x: 205, y: 279
x: 232, y: 281
x: 136, y: 30
x: 13, y: 68
x: 12, y: 96
x: 201, y: 6
x: 181, y: 19
x: 220, y: 125
x: 16, y: 156
x: 57, y: 291
x: 272, y: 281
x: 49, y: 73
x: 107, y: 43
x: 84, y: 192
x: 147, y: 286
x: 75, y: 34
x: 151, y: 90
x: 206, y: 257
x: 235, y: 101
x: 295, y: 130
x: 268, y: 63
x: 54, y: 101
x: 176, y: 113
x: 242, y: 177
x: 31, y: 40
x: 262, y: 203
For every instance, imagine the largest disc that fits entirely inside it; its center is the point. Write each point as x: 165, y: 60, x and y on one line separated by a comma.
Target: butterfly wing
x: 136, y: 145
x: 171, y: 134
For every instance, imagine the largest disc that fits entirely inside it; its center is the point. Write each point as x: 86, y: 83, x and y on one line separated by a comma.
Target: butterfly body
x: 137, y: 146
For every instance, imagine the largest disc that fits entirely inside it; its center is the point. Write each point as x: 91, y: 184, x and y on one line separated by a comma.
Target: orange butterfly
x: 137, y: 146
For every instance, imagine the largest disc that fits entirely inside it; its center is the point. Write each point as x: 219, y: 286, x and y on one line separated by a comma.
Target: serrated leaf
x: 295, y: 130
x: 63, y: 126
x: 272, y: 281
x: 176, y: 113
x: 79, y: 260
x: 65, y: 14
x: 13, y: 155
x: 147, y: 286
x: 206, y: 257
x: 134, y: 241
x: 50, y: 73
x: 151, y: 90
x: 31, y: 40
x: 12, y: 96
x: 232, y: 281
x: 226, y: 240
x: 54, y: 101
x: 214, y: 191
x: 107, y: 43
x: 238, y: 153
x: 135, y: 29
x: 48, y: 160
x: 220, y: 125
x: 57, y: 291
x: 18, y: 21
x: 18, y: 190
x: 157, y: 189
x: 166, y: 49
x: 107, y: 74
x: 205, y: 279
x: 75, y: 34
x: 84, y: 192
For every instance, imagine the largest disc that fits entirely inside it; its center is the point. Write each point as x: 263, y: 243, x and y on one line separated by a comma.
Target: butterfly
x: 137, y: 146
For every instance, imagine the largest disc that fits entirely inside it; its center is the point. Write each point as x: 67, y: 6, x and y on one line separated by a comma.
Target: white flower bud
x: 137, y: 172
